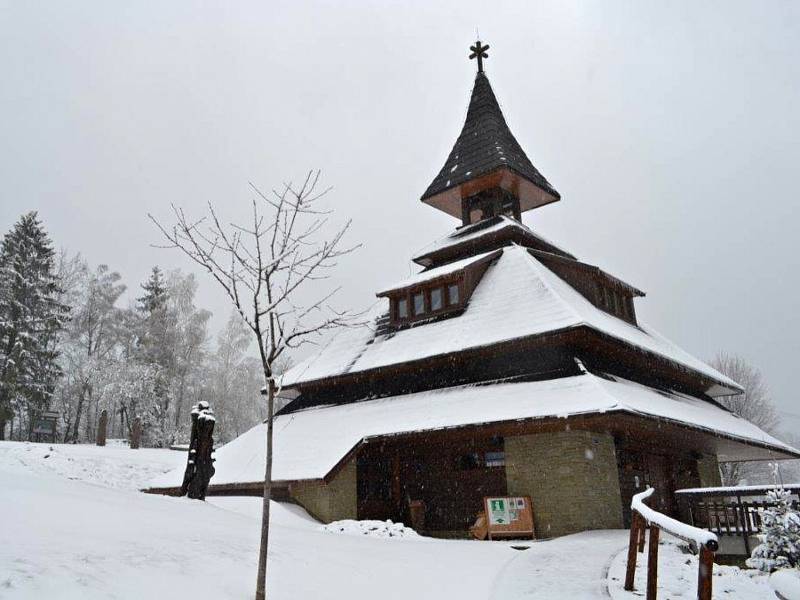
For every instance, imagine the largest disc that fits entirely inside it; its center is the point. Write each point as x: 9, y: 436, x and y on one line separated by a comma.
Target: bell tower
x: 487, y: 173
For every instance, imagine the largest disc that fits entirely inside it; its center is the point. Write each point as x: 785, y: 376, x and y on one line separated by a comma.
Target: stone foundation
x: 571, y: 477
x: 329, y: 501
x: 708, y: 470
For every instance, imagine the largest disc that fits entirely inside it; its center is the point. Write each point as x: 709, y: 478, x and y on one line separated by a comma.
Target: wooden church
x: 505, y: 367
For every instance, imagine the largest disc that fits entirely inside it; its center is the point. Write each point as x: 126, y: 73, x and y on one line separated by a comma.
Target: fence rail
x: 730, y: 511
x: 645, y: 519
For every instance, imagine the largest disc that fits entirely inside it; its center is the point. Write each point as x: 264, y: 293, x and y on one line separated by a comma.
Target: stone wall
x: 708, y: 470
x: 329, y: 501
x: 571, y: 477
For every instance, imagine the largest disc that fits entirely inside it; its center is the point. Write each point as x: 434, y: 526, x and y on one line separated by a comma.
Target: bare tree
x: 263, y: 268
x: 754, y: 405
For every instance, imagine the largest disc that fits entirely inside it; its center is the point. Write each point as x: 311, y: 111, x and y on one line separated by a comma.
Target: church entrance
x: 640, y: 469
x: 449, y: 478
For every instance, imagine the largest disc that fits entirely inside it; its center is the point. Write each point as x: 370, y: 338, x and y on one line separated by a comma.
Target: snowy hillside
x: 74, y: 527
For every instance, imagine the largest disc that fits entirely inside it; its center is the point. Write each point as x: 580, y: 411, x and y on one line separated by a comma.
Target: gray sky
x: 670, y: 129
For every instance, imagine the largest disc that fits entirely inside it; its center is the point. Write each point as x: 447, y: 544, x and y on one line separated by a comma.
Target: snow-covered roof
x: 470, y: 233
x: 431, y: 274
x: 738, y: 490
x: 517, y: 297
x: 309, y: 444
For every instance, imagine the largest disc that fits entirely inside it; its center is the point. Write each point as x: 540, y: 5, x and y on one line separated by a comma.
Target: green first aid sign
x: 498, y: 511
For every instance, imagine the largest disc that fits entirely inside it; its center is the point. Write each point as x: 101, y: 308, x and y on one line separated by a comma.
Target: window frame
x: 442, y: 293
x: 409, y: 294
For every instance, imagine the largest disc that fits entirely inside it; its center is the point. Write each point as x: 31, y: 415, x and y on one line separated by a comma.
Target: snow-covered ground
x: 114, y: 465
x: 677, y: 577
x: 75, y: 527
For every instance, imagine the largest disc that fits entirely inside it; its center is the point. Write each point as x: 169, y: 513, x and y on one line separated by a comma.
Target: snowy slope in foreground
x: 69, y: 539
x: 73, y: 540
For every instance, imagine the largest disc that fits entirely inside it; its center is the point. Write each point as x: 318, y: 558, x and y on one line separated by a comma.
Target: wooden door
x: 374, y: 485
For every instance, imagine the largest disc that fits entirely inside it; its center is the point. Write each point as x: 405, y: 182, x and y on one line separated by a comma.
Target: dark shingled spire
x: 485, y: 145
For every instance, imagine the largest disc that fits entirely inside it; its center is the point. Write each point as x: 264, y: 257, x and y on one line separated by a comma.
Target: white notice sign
x: 498, y: 511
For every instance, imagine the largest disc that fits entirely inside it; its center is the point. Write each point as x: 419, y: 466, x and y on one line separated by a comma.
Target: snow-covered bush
x: 383, y: 529
x: 780, y: 540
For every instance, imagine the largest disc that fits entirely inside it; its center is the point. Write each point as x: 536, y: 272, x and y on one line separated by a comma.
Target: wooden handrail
x: 645, y: 518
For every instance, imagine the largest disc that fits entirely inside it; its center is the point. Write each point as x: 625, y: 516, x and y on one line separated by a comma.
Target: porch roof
x: 309, y: 444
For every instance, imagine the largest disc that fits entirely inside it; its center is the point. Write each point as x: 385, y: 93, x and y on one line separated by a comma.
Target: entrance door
x: 639, y: 470
x: 374, y: 477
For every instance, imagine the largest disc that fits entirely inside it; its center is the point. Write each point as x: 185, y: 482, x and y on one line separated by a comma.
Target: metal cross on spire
x: 479, y: 52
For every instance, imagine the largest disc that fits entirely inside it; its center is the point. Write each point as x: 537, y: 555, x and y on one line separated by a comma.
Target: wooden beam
x: 630, y: 571
x: 705, y: 575
x: 652, y: 564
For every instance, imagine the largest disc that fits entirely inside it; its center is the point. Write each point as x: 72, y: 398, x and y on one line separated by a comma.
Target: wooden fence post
x: 630, y: 572
x: 705, y: 575
x: 642, y: 531
x: 102, y: 428
x: 652, y: 564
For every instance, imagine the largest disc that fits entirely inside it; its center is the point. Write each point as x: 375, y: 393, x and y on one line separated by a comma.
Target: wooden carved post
x: 705, y: 576
x: 102, y: 427
x: 652, y: 564
x: 136, y: 433
x: 200, y: 464
x: 188, y: 474
x: 630, y: 572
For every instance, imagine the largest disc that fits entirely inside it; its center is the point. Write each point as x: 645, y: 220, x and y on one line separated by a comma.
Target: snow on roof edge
x: 457, y: 407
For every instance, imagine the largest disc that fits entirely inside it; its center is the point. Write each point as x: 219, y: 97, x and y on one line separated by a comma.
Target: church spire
x: 487, y: 172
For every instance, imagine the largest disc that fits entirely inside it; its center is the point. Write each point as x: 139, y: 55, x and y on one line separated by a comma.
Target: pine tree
x: 780, y: 540
x: 31, y: 318
x: 155, y: 293
x: 154, y: 350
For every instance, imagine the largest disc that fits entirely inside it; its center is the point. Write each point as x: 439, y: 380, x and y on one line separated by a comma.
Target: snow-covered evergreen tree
x: 31, y: 318
x: 780, y: 540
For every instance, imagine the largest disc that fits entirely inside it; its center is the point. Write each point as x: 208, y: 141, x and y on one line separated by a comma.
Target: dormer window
x: 426, y: 301
x: 402, y: 308
x: 452, y: 294
x: 419, y: 304
x: 437, y: 292
x: 437, y: 302
x: 616, y: 302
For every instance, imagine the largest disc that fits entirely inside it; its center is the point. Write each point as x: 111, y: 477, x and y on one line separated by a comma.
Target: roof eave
x: 531, y: 195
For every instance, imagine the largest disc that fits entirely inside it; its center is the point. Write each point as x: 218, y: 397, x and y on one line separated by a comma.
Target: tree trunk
x: 136, y: 434
x: 2, y: 429
x: 101, y: 429
x: 78, y: 410
x: 261, y: 584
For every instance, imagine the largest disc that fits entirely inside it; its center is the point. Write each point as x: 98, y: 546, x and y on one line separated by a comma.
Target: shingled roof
x: 486, y: 144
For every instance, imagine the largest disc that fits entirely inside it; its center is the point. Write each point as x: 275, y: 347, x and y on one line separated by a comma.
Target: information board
x: 509, y: 516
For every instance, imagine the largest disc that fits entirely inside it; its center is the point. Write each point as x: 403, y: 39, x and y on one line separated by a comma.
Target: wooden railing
x: 644, y: 518
x: 730, y: 511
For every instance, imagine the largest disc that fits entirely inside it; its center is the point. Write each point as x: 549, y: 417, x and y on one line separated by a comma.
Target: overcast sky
x: 671, y: 129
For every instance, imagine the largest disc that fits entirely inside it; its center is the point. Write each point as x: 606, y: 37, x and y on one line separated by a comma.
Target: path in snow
x: 573, y: 566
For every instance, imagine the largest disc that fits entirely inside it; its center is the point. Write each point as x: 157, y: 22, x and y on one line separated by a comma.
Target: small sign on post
x: 44, y: 426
